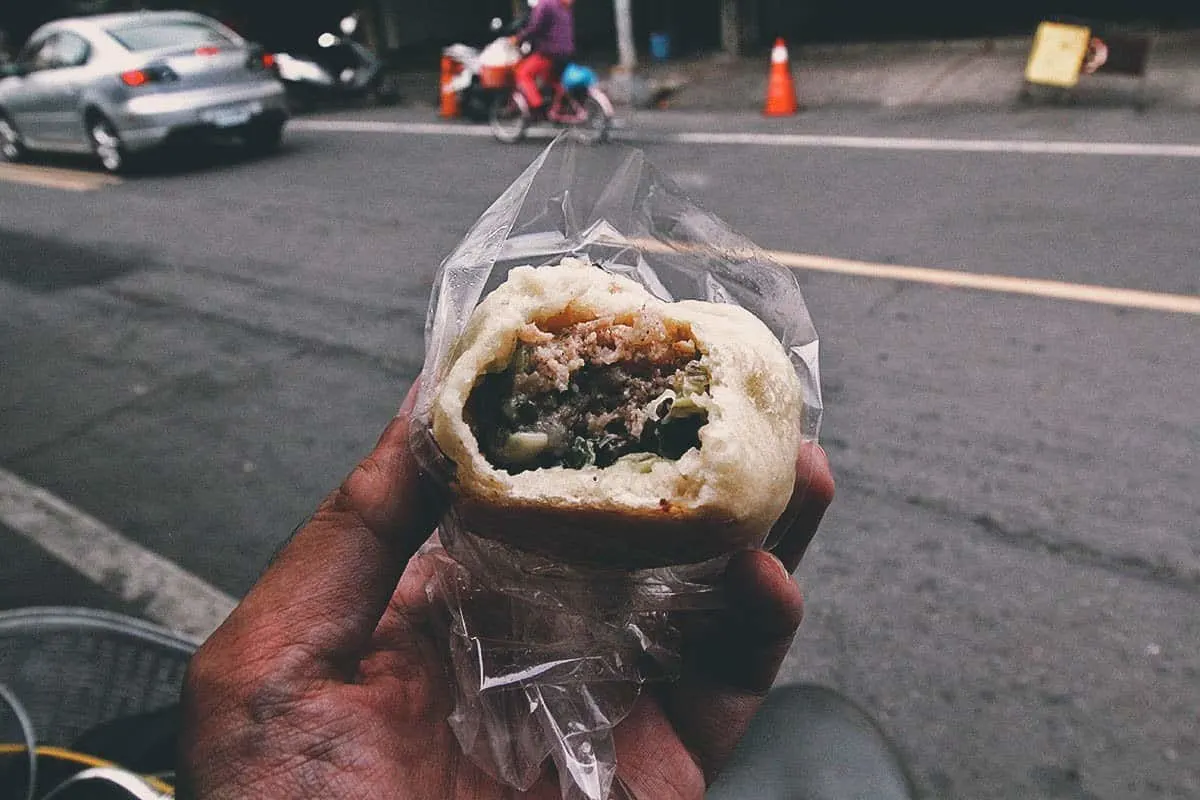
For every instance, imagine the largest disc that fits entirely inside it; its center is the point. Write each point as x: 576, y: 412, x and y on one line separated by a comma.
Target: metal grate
x: 73, y: 669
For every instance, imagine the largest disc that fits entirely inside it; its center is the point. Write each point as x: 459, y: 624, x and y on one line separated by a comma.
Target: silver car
x: 118, y: 84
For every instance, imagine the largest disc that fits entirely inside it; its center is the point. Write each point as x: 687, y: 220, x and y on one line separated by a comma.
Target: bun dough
x: 714, y: 500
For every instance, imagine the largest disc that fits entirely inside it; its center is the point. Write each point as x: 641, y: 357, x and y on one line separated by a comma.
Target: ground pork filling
x: 588, y: 393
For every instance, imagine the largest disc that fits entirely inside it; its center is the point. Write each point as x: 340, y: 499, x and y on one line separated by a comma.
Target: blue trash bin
x: 660, y: 46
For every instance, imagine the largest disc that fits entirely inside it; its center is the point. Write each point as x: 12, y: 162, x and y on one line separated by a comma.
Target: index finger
x: 325, y: 592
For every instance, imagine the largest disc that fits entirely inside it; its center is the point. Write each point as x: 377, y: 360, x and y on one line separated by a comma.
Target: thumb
x: 730, y: 664
x: 325, y: 592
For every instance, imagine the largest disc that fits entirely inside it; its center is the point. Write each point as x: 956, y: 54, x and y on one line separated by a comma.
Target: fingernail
x: 779, y: 564
x: 804, y: 477
x: 410, y: 399
x: 824, y: 454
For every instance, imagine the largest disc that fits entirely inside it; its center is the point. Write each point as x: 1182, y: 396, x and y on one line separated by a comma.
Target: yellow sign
x: 1057, y: 55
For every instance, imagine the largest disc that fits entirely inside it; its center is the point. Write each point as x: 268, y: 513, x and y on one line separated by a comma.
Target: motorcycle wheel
x: 386, y: 91
x: 509, y: 118
x: 475, y: 103
x: 300, y: 99
x: 595, y: 126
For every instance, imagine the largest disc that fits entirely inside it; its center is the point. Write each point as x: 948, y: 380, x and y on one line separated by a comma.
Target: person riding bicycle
x: 550, y: 33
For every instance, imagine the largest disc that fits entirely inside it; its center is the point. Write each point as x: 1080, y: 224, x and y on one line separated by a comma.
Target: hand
x: 327, y: 681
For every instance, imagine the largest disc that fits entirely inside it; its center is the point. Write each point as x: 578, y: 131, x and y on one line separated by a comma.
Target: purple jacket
x: 550, y: 29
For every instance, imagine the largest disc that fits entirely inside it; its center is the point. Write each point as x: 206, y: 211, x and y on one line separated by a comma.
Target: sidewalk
x: 971, y: 73
x: 981, y: 73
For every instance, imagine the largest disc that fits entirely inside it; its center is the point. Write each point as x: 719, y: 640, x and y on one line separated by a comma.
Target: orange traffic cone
x: 450, y: 68
x: 781, y: 91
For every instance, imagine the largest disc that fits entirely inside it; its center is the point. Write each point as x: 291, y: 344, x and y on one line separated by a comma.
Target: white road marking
x: 54, y: 178
x: 1009, y: 146
x: 167, y: 593
x: 376, y: 126
x: 797, y: 140
x: 1060, y: 290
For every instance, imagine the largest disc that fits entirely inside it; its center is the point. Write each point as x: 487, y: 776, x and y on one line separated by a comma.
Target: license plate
x: 232, y: 116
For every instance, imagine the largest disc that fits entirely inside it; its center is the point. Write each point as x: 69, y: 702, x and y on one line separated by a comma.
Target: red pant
x: 533, y: 67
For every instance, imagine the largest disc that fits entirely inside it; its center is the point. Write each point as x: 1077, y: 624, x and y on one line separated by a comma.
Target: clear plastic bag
x: 548, y: 658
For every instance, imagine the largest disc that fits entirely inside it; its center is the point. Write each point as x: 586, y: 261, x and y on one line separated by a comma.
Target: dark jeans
x: 809, y: 743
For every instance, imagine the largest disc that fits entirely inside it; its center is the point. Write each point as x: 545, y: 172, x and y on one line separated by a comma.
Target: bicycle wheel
x: 595, y: 125
x: 509, y: 117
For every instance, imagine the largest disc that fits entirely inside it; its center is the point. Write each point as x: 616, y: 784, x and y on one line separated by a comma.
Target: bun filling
x: 585, y: 393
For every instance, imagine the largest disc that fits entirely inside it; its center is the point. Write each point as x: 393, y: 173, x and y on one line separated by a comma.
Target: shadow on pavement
x: 171, y: 162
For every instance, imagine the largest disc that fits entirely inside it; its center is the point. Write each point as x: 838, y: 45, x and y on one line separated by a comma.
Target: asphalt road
x: 1009, y: 575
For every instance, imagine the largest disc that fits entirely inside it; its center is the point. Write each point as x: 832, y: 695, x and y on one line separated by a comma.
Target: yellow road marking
x: 54, y: 178
x: 1037, y: 287
x: 1059, y: 290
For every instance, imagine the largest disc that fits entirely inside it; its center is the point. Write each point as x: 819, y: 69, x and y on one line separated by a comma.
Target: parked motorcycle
x: 474, y: 98
x: 339, y: 71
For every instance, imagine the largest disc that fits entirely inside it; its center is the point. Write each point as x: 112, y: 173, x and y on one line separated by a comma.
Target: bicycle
x: 574, y: 102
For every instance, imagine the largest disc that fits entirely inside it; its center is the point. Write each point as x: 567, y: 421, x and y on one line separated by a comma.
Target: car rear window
x: 140, y: 36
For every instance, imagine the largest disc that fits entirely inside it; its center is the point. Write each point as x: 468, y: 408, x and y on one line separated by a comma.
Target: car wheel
x: 107, y: 145
x: 12, y: 146
x: 301, y: 99
x: 264, y: 139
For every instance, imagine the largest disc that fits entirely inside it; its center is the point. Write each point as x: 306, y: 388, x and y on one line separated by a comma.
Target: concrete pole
x: 751, y: 24
x: 626, y: 49
x: 731, y: 28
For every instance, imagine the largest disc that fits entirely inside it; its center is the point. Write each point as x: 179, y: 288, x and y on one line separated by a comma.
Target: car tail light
x: 258, y: 58
x: 207, y: 51
x: 154, y: 74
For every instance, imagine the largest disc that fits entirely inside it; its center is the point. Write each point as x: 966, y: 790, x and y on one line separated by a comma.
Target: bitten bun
x: 712, y: 501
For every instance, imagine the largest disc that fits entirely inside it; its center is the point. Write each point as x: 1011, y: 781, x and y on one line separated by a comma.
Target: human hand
x: 328, y: 681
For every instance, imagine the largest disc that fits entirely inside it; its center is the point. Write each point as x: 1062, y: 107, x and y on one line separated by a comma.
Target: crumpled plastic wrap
x: 549, y: 658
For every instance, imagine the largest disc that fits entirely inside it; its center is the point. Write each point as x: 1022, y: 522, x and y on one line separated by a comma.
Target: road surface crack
x: 1037, y: 540
x: 95, y: 421
x: 1126, y: 565
x: 301, y: 344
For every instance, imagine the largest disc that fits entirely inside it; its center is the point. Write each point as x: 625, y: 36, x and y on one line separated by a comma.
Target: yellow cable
x: 62, y: 754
